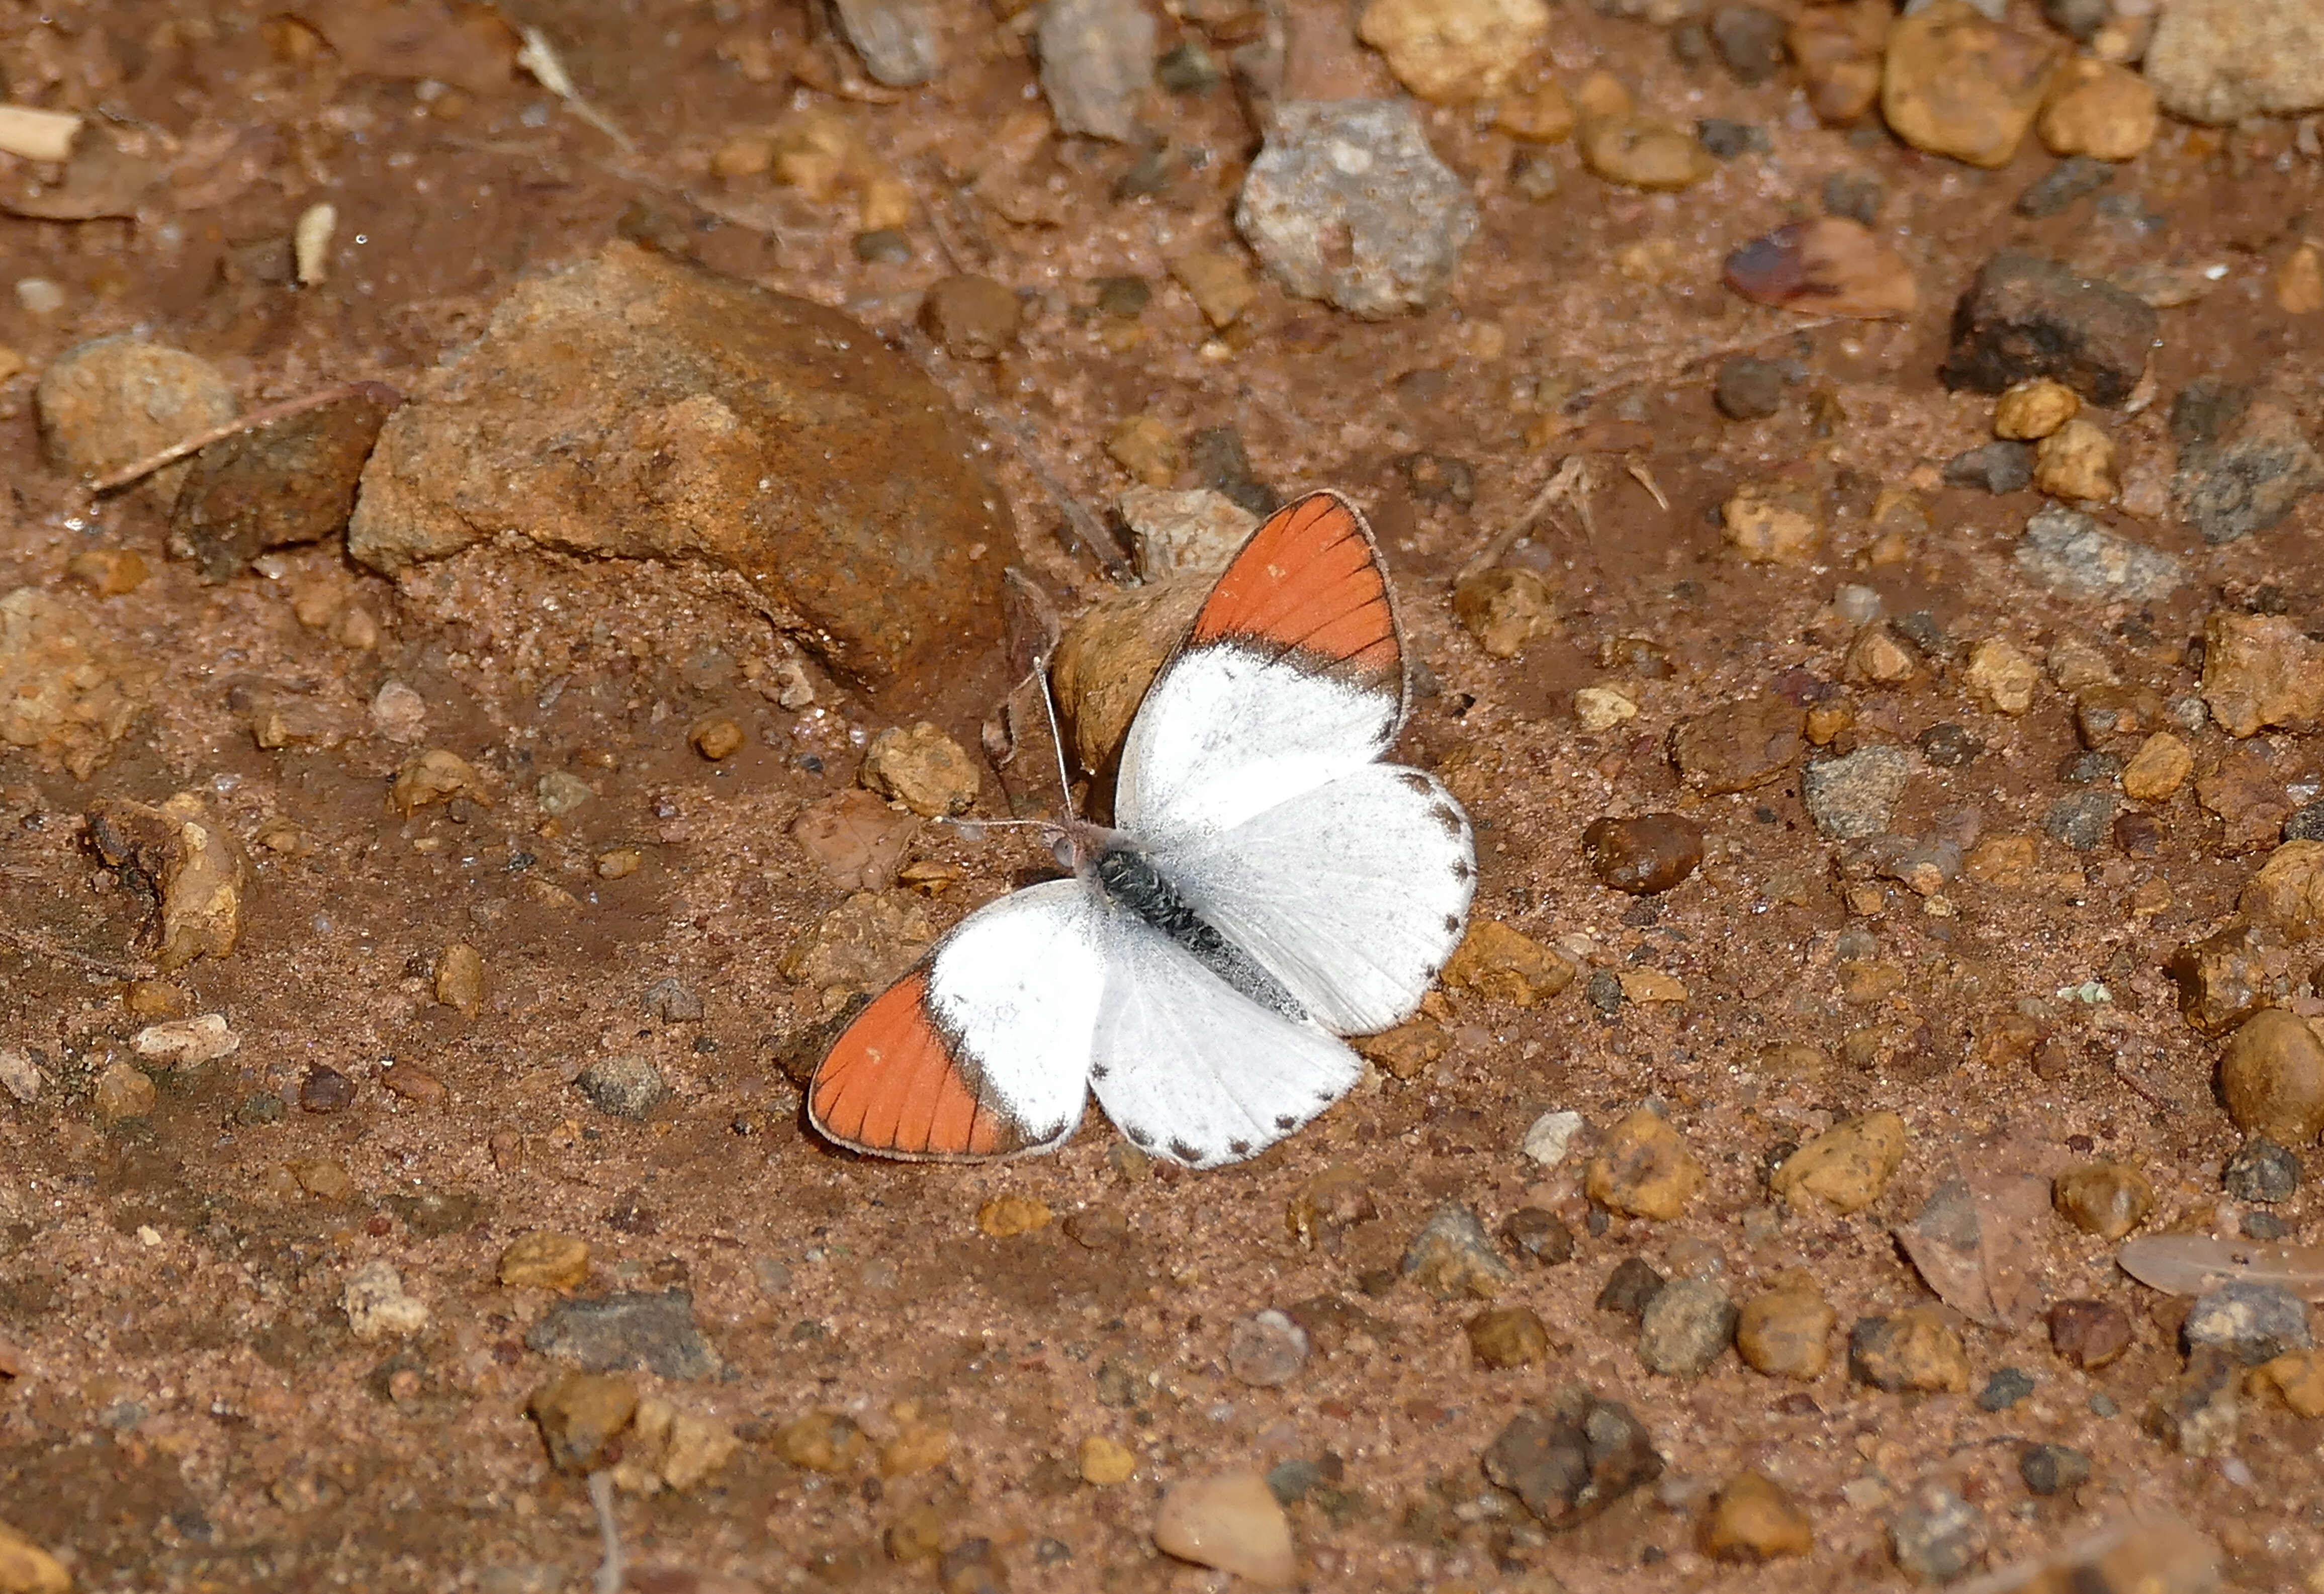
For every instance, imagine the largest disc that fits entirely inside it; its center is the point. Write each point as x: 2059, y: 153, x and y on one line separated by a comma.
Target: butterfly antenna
x: 1056, y: 737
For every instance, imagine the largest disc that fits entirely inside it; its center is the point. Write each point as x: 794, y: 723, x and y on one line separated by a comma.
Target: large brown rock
x: 633, y: 406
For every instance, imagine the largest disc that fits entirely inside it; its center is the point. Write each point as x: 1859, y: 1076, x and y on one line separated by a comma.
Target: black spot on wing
x: 1447, y: 815
x: 1240, y: 1147
x: 1451, y: 922
x: 1463, y: 870
x: 1099, y: 1071
x: 1414, y: 781
x: 1286, y: 1122
x: 1184, y: 1152
x: 1141, y: 1137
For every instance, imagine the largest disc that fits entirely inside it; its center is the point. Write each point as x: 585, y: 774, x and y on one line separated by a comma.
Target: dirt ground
x: 182, y: 1402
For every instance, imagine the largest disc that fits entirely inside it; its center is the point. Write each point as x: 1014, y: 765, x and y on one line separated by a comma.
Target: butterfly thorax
x: 1133, y: 884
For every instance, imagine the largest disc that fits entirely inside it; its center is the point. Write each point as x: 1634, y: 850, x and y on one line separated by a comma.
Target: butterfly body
x: 1269, y: 887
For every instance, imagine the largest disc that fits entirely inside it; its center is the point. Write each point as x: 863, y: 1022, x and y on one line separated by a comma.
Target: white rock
x: 1601, y: 708
x: 376, y: 1306
x: 1552, y: 1134
x: 398, y: 713
x: 1195, y: 533
x: 18, y: 1076
x: 1232, y: 1521
x: 187, y: 1042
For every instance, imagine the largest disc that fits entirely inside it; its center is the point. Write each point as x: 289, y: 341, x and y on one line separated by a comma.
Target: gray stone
x: 1454, y: 1256
x: 2306, y: 823
x: 2245, y: 461
x: 1747, y: 388
x: 1685, y: 1327
x: 2079, y: 820
x: 672, y: 1003
x: 2077, y: 176
x: 897, y: 39
x: 2222, y: 61
x: 2002, y: 466
x: 1192, y: 533
x: 1097, y: 58
x: 1572, y: 1462
x: 615, y: 1334
x: 2262, y: 1171
x: 1856, y: 795
x: 2004, y: 1388
x: 1750, y: 40
x: 2053, y: 1468
x: 2256, y: 1322
x: 1348, y: 204
x: 626, y: 1085
x: 1266, y: 1349
x: 2069, y: 550
x: 1937, y: 1535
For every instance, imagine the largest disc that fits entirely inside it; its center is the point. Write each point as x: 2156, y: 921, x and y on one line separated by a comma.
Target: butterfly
x: 1268, y: 886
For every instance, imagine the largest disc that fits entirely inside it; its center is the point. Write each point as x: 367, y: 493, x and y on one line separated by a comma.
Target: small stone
x: 1547, y: 1139
x: 122, y: 1092
x: 823, y: 1441
x: 2080, y: 821
x: 1452, y: 1256
x: 1776, y: 521
x: 896, y: 40
x: 376, y: 1305
x: 2219, y: 979
x: 882, y: 246
x: 581, y: 1416
x: 1266, y: 1349
x: 619, y: 864
x: 2108, y: 1199
x: 1738, y: 745
x: 1750, y: 40
x: 2089, y: 1334
x: 1643, y: 152
x: 1104, y: 1462
x: 2261, y: 671
x: 2256, y: 1322
x: 2076, y: 461
x: 1233, y: 1521
x: 1948, y: 746
x: 2003, y: 1390
x: 322, y: 1177
x: 2053, y: 1468
x: 1956, y: 83
x: 667, y: 1002
x: 2032, y: 409
x: 1508, y: 1336
x: 1857, y: 196
x: 460, y: 978
x: 2299, y: 283
x: 1879, y: 657
x: 1753, y: 1518
x: 2074, y: 178
x: 187, y: 1042
x: 1406, y: 1051
x: 1786, y: 1332
x: 921, y: 767
x: 2002, y: 678
x: 561, y: 793
x: 1539, y: 1235
x: 1347, y: 203
x: 545, y: 1261
x: 1006, y: 1217
x: 917, y: 1446
x: 2024, y: 316
x: 109, y: 572
x: 107, y: 402
x: 324, y: 1089
x: 1569, y: 1463
x: 1631, y: 1288
x: 1838, y: 51
x: 1847, y: 1166
x: 1937, y: 1535
x: 654, y: 1330
x: 2099, y: 109
x: 1684, y: 1328
x: 1599, y: 709
x: 2296, y: 1376
x: 1438, y: 478
x: 2158, y: 769
x: 1501, y: 964
x: 2223, y: 60
x: 2068, y: 550
x: 715, y: 737
x: 1644, y: 854
x: 1856, y: 794
x: 2197, y: 1412
x: 2272, y: 1078
x: 1747, y: 388
x: 429, y: 776
x: 1542, y: 113
x: 1912, y: 1350
x: 627, y: 1084
x: 2000, y: 466
x: 1452, y: 52
x: 1326, y: 1205
x: 1193, y: 533
x: 1725, y: 139
x: 2261, y: 1171
x: 1834, y: 265
x: 1644, y: 1169
x: 1504, y: 608
x: 1097, y: 59
x: 1219, y: 283
x: 973, y: 318
x: 1146, y: 448
x: 2245, y: 461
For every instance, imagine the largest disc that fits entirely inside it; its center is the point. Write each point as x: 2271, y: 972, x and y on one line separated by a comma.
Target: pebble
x: 2272, y: 1078
x: 1452, y: 52
x: 1956, y: 83
x: 1838, y: 51
x: 1538, y: 1235
x: 1347, y: 203
x: 1232, y: 1521
x: 1786, y: 1332
x: 2002, y: 678
x: 1145, y: 446
x: 1549, y: 1137
x: 1266, y: 1349
x: 1097, y: 62
x: 823, y: 1441
x: 2245, y: 461
x: 187, y: 1042
x: 1750, y: 40
x: 2089, y: 1334
x: 123, y: 1091
x: 2261, y: 1171
x: 1505, y: 608
x: 581, y: 1416
x: 715, y: 737
x: 376, y: 1305
x: 2158, y: 769
x: 1507, y: 1337
x: 1857, y: 195
x: 627, y: 1084
x: 1005, y: 1217
x: 1776, y: 522
x: 1937, y: 1535
x: 869, y: 532
x: 324, y: 1089
x: 896, y: 38
x: 1452, y: 1256
x: 673, y: 1449
x: 615, y: 1334
x: 922, y: 768
x: 2099, y: 109
x: 1846, y: 1167
x: 974, y: 316
x: 667, y: 1002
x: 2217, y: 980
x: 1726, y: 139
x: 2297, y: 1376
x: 2256, y: 1322
x: 178, y: 852
x: 432, y: 775
x: 2197, y: 1412
x: 1631, y: 1287
x: 1834, y: 266
x: 1540, y: 113
x: 2108, y: 1199
x: 1684, y: 1328
x: 1738, y: 745
x: 1753, y: 1518
x: 1916, y: 1349
x: 1406, y: 1051
x: 1746, y: 388
x: 1643, y: 152
x: 20, y: 1076
x: 1879, y: 657
x: 1104, y: 1462
x: 103, y: 403
x: 1570, y: 1462
x: 324, y: 1178
x: 1855, y: 795
x: 1644, y: 1169
x: 2081, y: 819
x: 1599, y: 709
x: 2004, y: 1388
x: 862, y: 944
x: 2261, y: 671
x: 2031, y: 411
x: 1643, y: 854
x: 1505, y: 964
x: 2072, y: 179
x: 545, y: 1259
x: 2223, y: 60
x: 460, y: 978
x: 2076, y: 461
x: 558, y: 792
x: 2066, y: 549
x: 1999, y: 466
x: 2024, y: 316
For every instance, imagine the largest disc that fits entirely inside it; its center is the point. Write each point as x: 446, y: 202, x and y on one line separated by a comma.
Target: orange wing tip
x: 1308, y: 580
x: 894, y: 1084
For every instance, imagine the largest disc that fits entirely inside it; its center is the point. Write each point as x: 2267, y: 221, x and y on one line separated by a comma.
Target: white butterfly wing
x: 1190, y: 1069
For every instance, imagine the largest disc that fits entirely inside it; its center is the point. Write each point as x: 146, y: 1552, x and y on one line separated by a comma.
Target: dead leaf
x: 1833, y: 267
x: 857, y: 838
x: 2191, y: 1264
x: 1972, y: 1242
x: 415, y: 40
x: 102, y: 178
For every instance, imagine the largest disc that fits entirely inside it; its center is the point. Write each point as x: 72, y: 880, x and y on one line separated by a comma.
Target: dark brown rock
x: 1738, y: 745
x: 1539, y: 1235
x: 2088, y: 1333
x: 1914, y: 1350
x: 278, y: 485
x: 2244, y: 460
x: 1643, y: 854
x: 974, y: 318
x: 1571, y: 1462
x: 2026, y: 317
x: 632, y: 406
x: 2220, y: 979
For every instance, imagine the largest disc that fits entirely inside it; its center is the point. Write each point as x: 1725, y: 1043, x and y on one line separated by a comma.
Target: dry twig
x: 41, y: 946
x: 1569, y: 483
x: 265, y: 416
